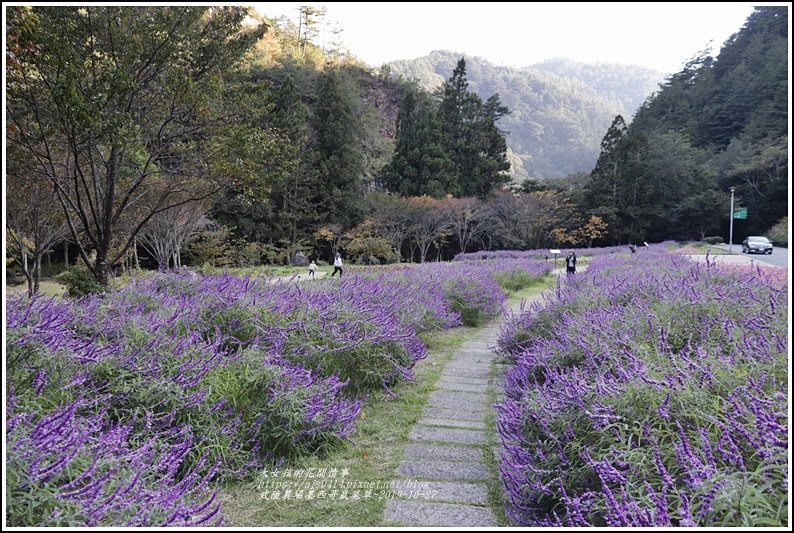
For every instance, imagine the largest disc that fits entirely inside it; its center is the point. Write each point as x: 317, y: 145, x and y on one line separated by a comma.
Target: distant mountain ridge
x: 560, y: 108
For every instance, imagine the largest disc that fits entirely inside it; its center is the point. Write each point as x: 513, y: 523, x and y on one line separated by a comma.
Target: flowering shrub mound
x: 649, y: 391
x: 127, y: 408
x: 540, y: 254
x: 68, y: 469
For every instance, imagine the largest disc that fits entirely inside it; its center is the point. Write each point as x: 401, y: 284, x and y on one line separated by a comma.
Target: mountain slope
x: 560, y: 109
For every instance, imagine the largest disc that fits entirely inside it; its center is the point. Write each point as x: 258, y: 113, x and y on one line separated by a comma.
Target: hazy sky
x: 662, y: 36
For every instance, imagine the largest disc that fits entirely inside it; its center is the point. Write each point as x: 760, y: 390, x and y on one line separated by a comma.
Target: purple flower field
x: 540, y: 253
x: 649, y: 391
x: 128, y: 408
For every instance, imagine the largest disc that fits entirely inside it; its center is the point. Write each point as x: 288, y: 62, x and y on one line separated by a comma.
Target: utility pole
x: 730, y: 236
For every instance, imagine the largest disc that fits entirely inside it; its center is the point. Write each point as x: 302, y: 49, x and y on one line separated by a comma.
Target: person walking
x: 312, y: 269
x: 570, y: 263
x: 337, y: 265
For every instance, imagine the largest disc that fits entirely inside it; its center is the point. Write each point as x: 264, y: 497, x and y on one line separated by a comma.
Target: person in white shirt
x: 337, y: 265
x: 312, y: 268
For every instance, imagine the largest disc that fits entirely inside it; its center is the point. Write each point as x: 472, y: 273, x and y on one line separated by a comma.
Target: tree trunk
x: 66, y: 254
x: 102, y: 273
x: 26, y: 271
x: 36, y: 274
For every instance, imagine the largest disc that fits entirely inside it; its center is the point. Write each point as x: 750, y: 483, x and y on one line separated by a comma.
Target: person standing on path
x: 337, y: 265
x: 312, y: 269
x: 570, y: 263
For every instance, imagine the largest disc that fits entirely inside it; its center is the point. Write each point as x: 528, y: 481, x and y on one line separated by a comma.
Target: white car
x: 761, y: 245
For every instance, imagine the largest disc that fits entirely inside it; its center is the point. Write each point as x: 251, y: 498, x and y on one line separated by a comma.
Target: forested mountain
x: 719, y: 123
x: 559, y: 109
x: 628, y: 85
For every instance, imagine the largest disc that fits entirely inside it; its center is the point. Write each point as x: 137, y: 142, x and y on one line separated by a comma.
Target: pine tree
x: 602, y: 197
x: 420, y: 165
x: 475, y: 144
x: 293, y: 210
x: 338, y: 161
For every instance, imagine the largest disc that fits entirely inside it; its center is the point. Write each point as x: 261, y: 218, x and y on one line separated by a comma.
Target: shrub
x: 515, y: 280
x: 476, y: 299
x: 79, y: 282
x: 714, y: 240
x: 364, y: 358
x: 72, y: 468
x: 778, y: 233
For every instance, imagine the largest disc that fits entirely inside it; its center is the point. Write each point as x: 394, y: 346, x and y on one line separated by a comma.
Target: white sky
x: 662, y: 36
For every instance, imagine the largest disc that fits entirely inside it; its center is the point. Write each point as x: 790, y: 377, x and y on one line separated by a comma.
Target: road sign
x: 740, y: 213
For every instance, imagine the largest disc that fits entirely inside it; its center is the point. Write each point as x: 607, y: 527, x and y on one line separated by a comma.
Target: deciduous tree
x: 114, y: 98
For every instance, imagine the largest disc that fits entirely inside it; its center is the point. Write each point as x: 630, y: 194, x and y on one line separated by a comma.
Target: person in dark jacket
x: 570, y: 263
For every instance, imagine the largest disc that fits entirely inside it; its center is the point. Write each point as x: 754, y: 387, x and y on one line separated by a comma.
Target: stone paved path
x: 442, y: 480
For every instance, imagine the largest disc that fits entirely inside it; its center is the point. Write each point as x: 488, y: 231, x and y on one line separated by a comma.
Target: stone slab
x: 464, y: 387
x: 453, y: 414
x: 438, y: 514
x: 464, y: 379
x: 443, y: 470
x: 451, y: 491
x: 433, y: 434
x: 465, y: 373
x: 460, y: 397
x: 445, y: 422
x: 447, y: 402
x: 443, y: 453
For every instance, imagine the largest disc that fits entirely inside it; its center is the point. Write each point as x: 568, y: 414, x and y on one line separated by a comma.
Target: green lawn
x: 699, y: 248
x: 47, y: 287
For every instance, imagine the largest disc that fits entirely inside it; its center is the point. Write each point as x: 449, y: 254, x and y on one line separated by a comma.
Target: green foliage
x: 714, y: 240
x: 212, y: 247
x: 469, y: 298
x: 715, y: 124
x: 476, y: 146
x: 234, y: 322
x: 652, y: 186
x: 363, y: 245
x: 367, y: 364
x: 337, y: 161
x: 277, y: 419
x: 24, y: 362
x: 79, y: 282
x: 421, y: 165
x: 31, y: 499
x: 452, y: 147
x: 778, y: 233
x: 132, y: 94
x: 514, y: 280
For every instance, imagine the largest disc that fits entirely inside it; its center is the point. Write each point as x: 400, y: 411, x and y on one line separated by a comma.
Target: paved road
x: 779, y: 257
x: 297, y: 277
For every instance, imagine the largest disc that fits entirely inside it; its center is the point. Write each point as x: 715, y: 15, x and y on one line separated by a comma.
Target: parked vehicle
x: 761, y: 245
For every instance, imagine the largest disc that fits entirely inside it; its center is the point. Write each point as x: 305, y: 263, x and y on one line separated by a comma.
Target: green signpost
x: 740, y: 213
